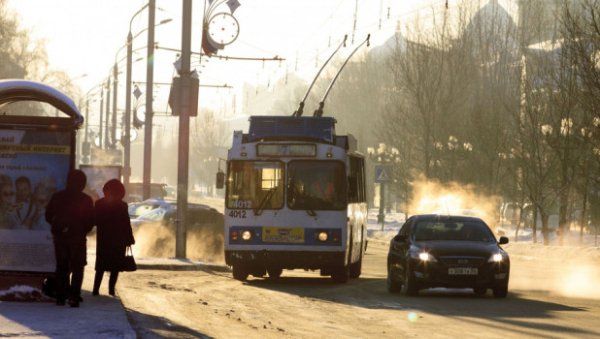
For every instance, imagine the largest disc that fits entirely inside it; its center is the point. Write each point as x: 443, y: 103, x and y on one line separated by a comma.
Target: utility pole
x: 114, y: 106
x: 85, y: 149
x: 101, y: 118
x: 184, y: 131
x: 127, y: 127
x: 106, y: 135
x: 148, y: 119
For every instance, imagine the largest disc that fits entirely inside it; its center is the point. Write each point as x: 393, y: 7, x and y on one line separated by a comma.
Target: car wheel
x: 480, y: 290
x: 340, y: 274
x: 501, y: 291
x: 274, y: 273
x: 411, y: 287
x: 240, y: 272
x: 392, y: 285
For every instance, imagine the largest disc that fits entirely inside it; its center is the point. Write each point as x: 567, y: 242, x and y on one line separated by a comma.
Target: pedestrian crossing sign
x: 383, y: 173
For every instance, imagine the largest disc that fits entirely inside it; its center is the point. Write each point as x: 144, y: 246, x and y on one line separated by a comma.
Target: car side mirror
x: 503, y: 240
x: 400, y: 238
x: 220, y: 179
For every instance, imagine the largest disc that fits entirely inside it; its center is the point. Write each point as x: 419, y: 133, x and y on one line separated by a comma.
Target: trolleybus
x: 295, y: 199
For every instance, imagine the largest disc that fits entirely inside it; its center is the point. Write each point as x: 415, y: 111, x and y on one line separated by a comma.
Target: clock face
x: 223, y: 29
x: 140, y: 113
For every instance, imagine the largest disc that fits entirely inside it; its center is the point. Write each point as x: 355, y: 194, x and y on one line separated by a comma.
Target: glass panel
x: 452, y: 230
x: 316, y: 185
x: 255, y: 184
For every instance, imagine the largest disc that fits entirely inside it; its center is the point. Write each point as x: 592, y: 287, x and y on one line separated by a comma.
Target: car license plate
x: 283, y: 235
x: 463, y: 271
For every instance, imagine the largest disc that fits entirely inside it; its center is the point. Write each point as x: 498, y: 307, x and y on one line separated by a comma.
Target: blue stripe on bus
x: 310, y: 236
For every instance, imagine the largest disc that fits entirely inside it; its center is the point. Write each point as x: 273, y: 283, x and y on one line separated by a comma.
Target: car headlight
x: 426, y: 257
x: 498, y: 257
x: 246, y: 235
x: 423, y: 256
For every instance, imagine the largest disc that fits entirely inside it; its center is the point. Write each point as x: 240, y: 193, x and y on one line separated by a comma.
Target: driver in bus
x: 322, y: 187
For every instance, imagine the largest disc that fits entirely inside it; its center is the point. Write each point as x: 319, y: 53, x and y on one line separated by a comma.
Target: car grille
x: 462, y: 261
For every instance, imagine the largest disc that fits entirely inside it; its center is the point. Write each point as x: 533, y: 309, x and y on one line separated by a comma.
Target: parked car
x: 138, y: 208
x: 199, y: 215
x: 447, y: 251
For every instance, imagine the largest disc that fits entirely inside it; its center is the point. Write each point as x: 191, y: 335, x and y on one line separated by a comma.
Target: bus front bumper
x: 286, y: 259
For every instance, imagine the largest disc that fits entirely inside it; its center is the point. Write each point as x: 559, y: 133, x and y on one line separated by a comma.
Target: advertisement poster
x: 97, y: 176
x: 33, y: 165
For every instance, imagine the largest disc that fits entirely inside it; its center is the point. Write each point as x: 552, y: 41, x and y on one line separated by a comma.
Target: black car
x: 447, y: 251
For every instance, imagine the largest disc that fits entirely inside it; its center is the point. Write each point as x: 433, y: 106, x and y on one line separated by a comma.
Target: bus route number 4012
x: 237, y: 214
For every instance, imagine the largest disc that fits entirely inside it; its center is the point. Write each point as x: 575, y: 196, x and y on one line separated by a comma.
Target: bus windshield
x: 316, y: 185
x: 255, y: 184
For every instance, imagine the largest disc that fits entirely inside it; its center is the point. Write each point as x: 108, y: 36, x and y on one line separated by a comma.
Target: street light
x: 384, y: 157
x: 85, y: 147
x: 149, y: 80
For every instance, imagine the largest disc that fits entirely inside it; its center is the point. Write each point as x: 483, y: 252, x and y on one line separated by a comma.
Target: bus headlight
x: 246, y: 235
x: 322, y: 236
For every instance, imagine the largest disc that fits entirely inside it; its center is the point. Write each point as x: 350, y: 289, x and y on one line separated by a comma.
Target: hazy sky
x: 83, y: 36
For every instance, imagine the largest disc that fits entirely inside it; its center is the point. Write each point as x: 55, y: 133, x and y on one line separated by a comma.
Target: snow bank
x: 23, y: 293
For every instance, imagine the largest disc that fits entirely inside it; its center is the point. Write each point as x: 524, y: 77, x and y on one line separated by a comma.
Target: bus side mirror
x: 220, y: 179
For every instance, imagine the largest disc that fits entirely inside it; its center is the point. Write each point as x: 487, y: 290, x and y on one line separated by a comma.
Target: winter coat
x: 113, y: 233
x: 70, y: 213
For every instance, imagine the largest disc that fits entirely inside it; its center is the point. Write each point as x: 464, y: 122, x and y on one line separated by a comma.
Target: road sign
x: 383, y: 173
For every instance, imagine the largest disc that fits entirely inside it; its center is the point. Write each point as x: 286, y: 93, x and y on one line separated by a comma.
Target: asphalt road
x: 184, y: 304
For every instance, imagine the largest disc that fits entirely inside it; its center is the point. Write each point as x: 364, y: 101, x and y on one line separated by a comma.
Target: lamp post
x: 148, y: 131
x: 147, y: 177
x: 384, y: 157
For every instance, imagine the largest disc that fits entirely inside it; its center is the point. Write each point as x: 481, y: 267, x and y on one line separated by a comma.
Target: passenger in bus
x: 322, y: 188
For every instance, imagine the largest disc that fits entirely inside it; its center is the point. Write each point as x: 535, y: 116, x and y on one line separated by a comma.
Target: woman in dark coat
x: 113, y: 234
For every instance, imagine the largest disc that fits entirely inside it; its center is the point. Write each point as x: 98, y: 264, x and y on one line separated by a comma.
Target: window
x: 316, y: 185
x: 356, y: 181
x: 462, y: 230
x: 255, y: 184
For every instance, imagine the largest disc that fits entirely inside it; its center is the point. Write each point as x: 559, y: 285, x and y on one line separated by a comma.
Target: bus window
x: 255, y: 184
x: 316, y: 185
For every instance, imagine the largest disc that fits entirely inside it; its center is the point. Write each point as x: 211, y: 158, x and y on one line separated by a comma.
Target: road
x: 185, y: 304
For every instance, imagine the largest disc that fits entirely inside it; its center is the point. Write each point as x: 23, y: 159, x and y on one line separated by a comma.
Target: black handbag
x: 129, y: 264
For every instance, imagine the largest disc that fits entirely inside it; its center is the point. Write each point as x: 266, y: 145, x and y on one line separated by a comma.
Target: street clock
x: 223, y: 29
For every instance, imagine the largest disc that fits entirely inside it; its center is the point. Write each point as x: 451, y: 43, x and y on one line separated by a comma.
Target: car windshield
x: 452, y: 230
x: 135, y: 210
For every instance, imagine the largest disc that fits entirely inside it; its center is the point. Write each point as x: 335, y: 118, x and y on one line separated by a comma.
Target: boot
x: 97, y: 282
x: 74, y: 302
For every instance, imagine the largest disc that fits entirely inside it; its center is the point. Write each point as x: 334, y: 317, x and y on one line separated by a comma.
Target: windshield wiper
x: 258, y: 210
